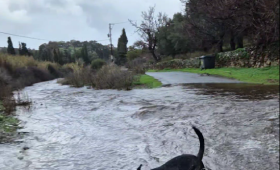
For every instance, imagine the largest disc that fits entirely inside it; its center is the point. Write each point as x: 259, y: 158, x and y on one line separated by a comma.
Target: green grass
x: 268, y: 75
x: 8, y: 125
x: 148, y: 81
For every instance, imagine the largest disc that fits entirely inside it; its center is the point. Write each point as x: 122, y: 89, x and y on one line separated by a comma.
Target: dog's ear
x: 139, y: 168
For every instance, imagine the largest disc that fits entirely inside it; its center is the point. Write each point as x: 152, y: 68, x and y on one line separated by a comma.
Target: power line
x: 38, y: 38
x: 24, y: 36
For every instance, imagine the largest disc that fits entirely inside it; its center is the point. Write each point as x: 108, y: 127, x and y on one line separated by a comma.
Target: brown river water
x: 84, y: 129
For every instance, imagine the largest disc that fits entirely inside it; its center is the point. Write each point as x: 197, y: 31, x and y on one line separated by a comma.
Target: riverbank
x: 65, y: 121
x: 267, y: 75
x: 17, y: 72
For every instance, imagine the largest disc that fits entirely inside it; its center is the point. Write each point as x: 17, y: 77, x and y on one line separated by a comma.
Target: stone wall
x: 176, y: 64
x: 244, y: 57
x: 247, y: 57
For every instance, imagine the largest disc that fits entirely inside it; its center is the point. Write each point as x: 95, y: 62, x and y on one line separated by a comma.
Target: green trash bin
x: 207, y: 62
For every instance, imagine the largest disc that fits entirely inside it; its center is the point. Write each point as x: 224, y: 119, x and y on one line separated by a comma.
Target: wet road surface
x: 85, y: 129
x: 184, y: 77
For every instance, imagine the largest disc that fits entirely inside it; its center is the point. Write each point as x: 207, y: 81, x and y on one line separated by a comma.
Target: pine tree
x: 10, y: 49
x: 122, y: 48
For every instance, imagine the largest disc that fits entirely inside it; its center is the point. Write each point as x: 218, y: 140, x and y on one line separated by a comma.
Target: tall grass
x: 24, y: 61
x: 16, y: 72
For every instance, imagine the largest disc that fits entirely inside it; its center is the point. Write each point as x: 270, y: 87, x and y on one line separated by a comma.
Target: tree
x: 24, y: 50
x: 20, y: 49
x: 10, y: 49
x: 171, y: 38
x: 148, y: 29
x: 56, y: 56
x: 122, y: 49
x: 84, y: 53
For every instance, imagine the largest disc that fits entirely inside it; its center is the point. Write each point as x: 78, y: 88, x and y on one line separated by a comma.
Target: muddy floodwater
x: 85, y: 129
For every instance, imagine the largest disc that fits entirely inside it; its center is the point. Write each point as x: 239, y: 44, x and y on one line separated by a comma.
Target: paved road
x: 183, y: 77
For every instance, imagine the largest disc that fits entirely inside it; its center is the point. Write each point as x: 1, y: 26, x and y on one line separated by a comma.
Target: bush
x: 53, y: 71
x: 97, y: 64
x: 28, y: 76
x: 80, y: 78
x: 133, y: 54
x: 5, y: 78
x: 112, y: 77
x: 137, y: 66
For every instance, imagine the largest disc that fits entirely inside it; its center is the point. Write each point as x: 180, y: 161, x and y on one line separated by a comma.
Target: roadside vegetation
x: 110, y: 77
x: 147, y: 81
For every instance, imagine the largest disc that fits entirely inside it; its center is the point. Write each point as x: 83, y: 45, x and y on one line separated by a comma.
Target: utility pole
x: 110, y: 36
x: 111, y: 44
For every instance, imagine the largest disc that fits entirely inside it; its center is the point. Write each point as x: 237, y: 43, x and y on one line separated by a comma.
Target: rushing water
x: 85, y: 129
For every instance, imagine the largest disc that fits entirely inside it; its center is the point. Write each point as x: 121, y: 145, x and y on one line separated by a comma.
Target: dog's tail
x: 139, y: 168
x: 201, y: 140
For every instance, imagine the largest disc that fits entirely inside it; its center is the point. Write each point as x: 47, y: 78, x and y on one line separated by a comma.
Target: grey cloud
x: 79, y: 19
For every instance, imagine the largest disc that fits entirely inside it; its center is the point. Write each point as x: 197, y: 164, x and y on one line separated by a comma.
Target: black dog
x: 186, y: 161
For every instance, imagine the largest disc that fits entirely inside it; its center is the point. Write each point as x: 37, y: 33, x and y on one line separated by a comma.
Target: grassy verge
x: 147, y: 81
x: 268, y: 75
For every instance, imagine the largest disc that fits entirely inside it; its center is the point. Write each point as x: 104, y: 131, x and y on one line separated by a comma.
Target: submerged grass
x: 148, y: 81
x: 267, y: 75
x: 8, y: 125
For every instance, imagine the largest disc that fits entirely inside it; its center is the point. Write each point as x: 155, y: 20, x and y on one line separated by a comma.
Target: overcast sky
x: 83, y: 20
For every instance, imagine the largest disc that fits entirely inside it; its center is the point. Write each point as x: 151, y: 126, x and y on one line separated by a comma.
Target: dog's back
x: 186, y: 161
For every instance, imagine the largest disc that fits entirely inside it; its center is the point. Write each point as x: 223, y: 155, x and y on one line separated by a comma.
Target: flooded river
x: 85, y: 129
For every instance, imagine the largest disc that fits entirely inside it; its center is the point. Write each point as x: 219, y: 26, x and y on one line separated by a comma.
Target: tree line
x: 207, y: 26
x: 74, y: 51
x: 210, y: 26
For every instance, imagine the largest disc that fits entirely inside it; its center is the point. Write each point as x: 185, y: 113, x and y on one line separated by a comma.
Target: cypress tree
x: 10, y: 49
x: 122, y: 48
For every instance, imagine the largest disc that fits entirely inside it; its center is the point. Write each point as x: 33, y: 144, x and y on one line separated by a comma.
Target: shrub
x: 40, y: 75
x: 133, y: 54
x: 97, y: 64
x: 80, y: 78
x: 5, y: 78
x: 112, y: 77
x: 53, y: 71
x: 137, y: 66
